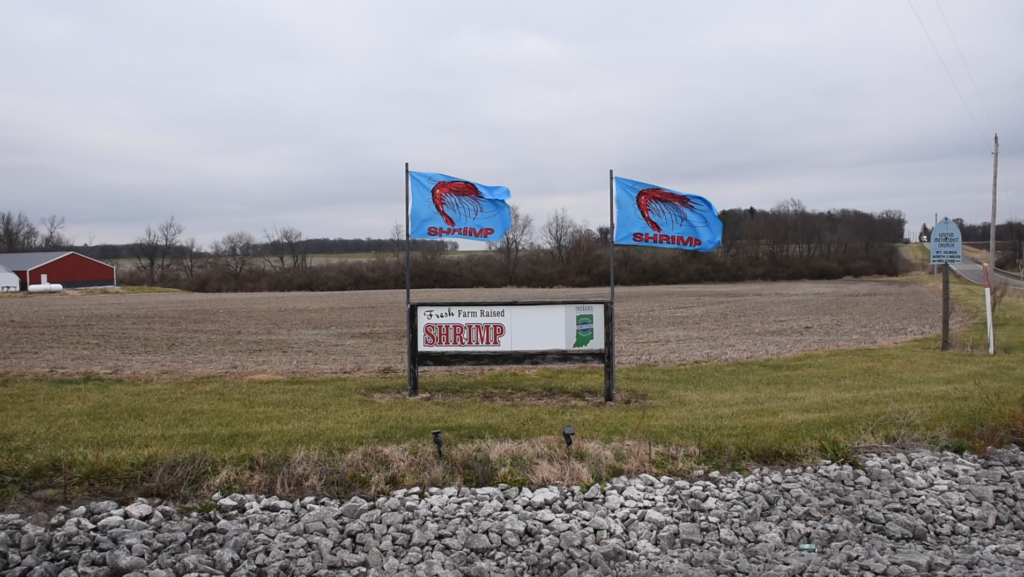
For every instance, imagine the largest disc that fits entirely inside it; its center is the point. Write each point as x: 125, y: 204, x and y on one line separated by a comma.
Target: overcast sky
x: 243, y: 115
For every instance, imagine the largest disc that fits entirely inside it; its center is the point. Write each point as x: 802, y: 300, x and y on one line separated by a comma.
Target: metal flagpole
x: 611, y: 227
x: 609, y: 377
x: 407, y: 265
x: 413, y: 386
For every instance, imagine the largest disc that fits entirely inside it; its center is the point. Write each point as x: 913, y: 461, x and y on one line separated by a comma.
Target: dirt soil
x: 271, y: 335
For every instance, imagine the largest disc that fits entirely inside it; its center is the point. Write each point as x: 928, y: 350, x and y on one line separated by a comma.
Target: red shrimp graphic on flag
x: 457, y: 197
x: 672, y: 209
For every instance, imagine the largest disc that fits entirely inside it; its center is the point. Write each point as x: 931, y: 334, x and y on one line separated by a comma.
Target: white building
x: 9, y: 282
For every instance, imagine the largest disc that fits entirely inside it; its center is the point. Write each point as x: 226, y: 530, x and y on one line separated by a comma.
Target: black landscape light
x: 438, y: 440
x: 568, y: 433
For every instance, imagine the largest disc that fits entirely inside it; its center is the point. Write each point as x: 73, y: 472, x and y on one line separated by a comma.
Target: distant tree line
x: 162, y: 256
x: 288, y: 235
x: 368, y: 245
x: 786, y: 242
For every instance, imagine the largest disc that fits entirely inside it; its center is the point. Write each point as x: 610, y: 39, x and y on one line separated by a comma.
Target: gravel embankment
x: 903, y: 514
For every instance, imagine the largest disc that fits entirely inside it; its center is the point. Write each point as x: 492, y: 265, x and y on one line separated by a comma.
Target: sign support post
x: 413, y: 365
x: 945, y: 306
x: 947, y: 247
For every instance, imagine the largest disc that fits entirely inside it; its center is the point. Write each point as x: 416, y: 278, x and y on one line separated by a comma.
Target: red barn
x: 66, y: 268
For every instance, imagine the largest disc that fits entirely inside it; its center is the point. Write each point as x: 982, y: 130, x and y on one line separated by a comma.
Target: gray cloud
x: 242, y: 115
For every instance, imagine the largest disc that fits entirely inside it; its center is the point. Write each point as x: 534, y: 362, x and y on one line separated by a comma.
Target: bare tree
x: 1000, y: 288
x: 189, y: 256
x: 892, y: 225
x: 397, y: 238
x: 146, y: 249
x: 431, y: 254
x: 582, y: 243
x: 236, y: 253
x: 154, y: 250
x: 509, y: 250
x: 558, y: 234
x: 1015, y: 230
x: 430, y: 265
x: 52, y: 236
x: 170, y: 231
x: 285, y: 249
x: 17, y: 233
x: 925, y: 234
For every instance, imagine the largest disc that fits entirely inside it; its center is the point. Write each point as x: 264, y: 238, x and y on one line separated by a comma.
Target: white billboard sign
x: 465, y: 328
x: 947, y: 244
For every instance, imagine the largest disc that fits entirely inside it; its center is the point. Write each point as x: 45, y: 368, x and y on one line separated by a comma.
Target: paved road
x: 970, y: 269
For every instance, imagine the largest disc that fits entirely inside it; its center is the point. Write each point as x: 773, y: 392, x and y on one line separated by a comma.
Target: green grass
x: 978, y: 253
x: 505, y: 425
x: 923, y: 251
x: 330, y: 258
x: 93, y: 291
x: 917, y: 252
x: 346, y: 255
x: 139, y: 290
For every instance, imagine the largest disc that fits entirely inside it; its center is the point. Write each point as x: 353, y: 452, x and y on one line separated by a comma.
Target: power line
x: 972, y: 178
x: 981, y: 133
x: 964, y: 60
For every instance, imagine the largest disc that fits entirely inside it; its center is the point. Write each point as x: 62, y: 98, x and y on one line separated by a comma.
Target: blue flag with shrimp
x: 649, y: 215
x: 445, y: 206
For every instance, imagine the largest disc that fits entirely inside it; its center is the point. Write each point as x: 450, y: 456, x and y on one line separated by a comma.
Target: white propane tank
x: 45, y: 288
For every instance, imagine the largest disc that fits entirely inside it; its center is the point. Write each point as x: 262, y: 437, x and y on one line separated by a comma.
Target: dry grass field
x: 269, y: 335
x: 189, y: 406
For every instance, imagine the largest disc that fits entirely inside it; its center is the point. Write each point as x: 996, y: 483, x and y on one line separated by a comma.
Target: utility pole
x: 990, y: 270
x: 992, y: 235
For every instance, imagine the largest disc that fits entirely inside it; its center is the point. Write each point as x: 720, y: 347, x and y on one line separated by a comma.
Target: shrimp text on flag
x: 649, y: 215
x: 444, y: 206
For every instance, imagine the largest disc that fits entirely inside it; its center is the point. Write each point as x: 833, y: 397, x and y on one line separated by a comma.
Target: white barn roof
x: 28, y: 260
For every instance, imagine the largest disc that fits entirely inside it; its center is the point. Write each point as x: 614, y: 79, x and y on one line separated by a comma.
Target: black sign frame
x: 605, y: 355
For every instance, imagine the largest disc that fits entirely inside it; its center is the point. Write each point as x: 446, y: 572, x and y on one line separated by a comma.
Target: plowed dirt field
x: 267, y: 335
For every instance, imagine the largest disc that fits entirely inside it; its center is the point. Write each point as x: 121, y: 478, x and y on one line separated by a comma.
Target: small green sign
x: 584, y: 330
